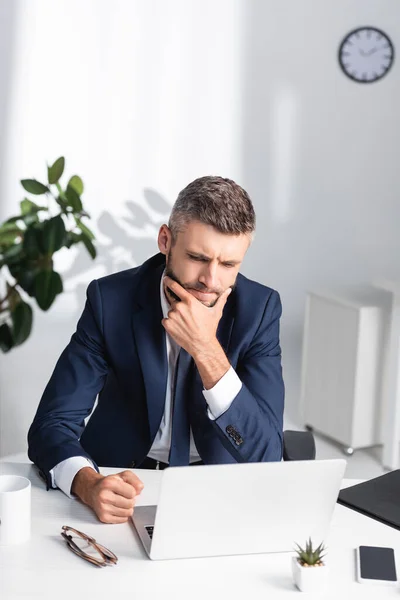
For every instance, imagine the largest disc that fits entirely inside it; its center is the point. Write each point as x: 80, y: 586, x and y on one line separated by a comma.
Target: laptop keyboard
x: 149, y: 530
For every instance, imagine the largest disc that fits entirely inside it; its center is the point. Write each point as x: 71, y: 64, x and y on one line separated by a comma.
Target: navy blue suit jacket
x: 118, y: 352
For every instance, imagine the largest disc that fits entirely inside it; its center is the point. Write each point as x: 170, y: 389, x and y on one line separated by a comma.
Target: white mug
x: 15, y: 509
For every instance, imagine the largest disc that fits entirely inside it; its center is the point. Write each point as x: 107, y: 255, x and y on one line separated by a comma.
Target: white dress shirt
x: 219, y: 398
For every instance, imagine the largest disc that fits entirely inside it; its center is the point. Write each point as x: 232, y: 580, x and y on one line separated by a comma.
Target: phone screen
x: 377, y: 563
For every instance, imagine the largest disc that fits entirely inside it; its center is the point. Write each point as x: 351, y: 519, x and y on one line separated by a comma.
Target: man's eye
x: 228, y: 266
x: 198, y: 258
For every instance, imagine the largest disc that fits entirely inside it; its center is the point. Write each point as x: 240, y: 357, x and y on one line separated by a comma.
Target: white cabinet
x: 343, y: 356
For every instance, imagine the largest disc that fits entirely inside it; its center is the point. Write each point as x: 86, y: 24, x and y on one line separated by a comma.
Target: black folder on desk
x: 378, y: 498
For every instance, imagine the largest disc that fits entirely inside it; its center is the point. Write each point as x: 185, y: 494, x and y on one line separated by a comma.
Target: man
x: 183, y: 353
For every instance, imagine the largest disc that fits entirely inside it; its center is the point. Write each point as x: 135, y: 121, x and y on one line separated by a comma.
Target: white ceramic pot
x: 309, y: 579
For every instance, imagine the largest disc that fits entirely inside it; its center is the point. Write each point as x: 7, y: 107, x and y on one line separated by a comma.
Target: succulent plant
x: 308, y: 557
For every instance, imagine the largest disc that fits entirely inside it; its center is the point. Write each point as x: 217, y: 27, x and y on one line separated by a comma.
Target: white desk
x: 45, y: 568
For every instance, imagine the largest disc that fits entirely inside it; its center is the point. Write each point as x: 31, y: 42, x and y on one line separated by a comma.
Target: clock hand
x: 372, y: 51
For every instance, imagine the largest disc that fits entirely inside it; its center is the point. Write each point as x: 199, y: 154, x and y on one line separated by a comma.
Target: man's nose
x: 208, y: 277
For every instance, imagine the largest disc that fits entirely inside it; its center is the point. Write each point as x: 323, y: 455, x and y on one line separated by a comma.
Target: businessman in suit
x: 183, y: 354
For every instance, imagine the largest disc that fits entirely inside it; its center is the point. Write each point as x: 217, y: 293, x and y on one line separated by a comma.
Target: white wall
x: 144, y: 96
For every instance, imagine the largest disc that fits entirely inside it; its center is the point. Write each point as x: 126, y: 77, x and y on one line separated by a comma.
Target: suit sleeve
x: 252, y: 427
x: 68, y: 399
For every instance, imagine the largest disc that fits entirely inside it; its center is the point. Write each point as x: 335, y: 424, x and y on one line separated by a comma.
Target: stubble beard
x: 169, y: 271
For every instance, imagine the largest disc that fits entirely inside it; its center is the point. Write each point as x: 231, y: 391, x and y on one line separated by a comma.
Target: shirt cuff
x: 220, y: 397
x: 62, y: 475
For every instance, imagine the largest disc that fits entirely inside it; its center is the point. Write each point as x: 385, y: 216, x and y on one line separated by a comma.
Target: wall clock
x: 366, y: 54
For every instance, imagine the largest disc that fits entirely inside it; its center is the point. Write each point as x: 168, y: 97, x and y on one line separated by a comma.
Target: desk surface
x: 44, y: 568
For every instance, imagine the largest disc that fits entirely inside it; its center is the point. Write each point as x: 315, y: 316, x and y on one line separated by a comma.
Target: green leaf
x: 73, y: 199
x: 8, y: 226
x: 53, y: 235
x: 84, y: 229
x: 34, y: 187
x: 13, y: 219
x: 72, y: 238
x: 47, y: 285
x: 8, y: 237
x: 31, y: 219
x: 22, y: 318
x: 32, y: 243
x: 56, y: 170
x: 77, y: 184
x: 89, y: 246
x: 27, y: 219
x: 6, y: 340
x: 12, y: 255
x: 14, y: 297
x: 27, y: 207
x: 24, y: 272
x: 9, y: 234
x: 62, y: 202
x: 320, y: 548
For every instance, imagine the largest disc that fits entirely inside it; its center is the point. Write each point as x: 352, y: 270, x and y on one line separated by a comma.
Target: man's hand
x: 112, y: 497
x: 192, y: 324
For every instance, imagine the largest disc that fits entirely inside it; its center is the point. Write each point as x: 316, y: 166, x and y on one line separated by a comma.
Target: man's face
x: 203, y: 261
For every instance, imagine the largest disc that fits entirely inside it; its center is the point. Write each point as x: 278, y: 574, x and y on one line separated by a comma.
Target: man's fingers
x: 132, y: 479
x: 177, y: 288
x: 116, y: 511
x: 116, y: 485
x: 223, y: 298
x: 112, y: 519
x: 117, y: 520
x: 120, y: 501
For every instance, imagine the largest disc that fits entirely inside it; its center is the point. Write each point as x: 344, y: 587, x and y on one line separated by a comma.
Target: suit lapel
x: 149, y: 335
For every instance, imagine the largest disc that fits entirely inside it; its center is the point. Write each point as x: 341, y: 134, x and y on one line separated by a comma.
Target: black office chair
x: 298, y: 445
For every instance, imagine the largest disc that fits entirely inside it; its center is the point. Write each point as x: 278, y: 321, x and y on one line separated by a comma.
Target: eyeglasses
x: 87, y: 548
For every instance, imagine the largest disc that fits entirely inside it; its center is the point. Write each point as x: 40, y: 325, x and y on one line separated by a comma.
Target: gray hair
x: 214, y: 201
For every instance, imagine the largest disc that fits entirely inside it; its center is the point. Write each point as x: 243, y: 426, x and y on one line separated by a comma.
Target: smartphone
x: 376, y: 565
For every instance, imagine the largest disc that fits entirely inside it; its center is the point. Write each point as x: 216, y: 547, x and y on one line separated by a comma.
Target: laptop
x: 246, y: 508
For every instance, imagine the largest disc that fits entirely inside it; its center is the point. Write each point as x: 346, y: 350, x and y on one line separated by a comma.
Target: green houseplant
x: 309, y: 570
x: 28, y: 242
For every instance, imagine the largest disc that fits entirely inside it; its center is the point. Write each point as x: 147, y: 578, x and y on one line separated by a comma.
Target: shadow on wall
x: 128, y: 241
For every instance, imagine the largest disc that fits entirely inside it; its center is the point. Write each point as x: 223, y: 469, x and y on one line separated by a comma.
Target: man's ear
x: 164, y: 239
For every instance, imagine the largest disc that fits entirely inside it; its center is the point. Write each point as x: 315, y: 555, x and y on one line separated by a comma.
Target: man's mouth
x: 202, y: 296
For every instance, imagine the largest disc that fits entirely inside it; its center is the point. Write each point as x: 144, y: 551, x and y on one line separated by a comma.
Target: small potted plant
x: 309, y: 570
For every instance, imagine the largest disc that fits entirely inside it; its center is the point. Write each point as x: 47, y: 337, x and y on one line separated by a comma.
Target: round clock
x: 366, y: 54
